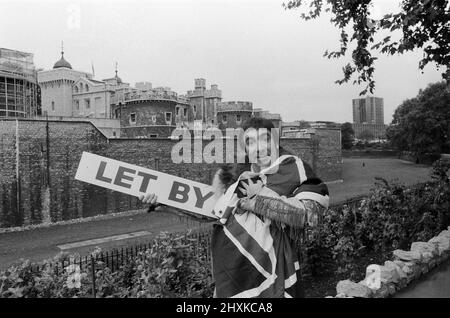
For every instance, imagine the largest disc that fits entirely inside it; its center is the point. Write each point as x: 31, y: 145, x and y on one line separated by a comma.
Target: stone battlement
x: 234, y: 106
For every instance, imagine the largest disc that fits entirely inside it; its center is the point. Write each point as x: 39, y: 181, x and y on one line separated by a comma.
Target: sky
x: 254, y: 50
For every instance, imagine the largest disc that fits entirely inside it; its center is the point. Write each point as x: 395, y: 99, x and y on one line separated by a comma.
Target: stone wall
x: 150, y: 118
x: 49, y: 154
x: 47, y: 165
x: 426, y: 159
x: 328, y: 161
x: 382, y: 281
x: 228, y: 119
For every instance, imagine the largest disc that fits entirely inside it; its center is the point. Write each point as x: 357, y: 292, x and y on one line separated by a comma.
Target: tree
x: 347, y: 135
x: 366, y: 135
x: 303, y: 124
x: 422, y: 24
x: 422, y: 124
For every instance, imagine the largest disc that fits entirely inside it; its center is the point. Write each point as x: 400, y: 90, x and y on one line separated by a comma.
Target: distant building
x: 143, y: 86
x: 290, y: 125
x: 369, y: 131
x: 233, y: 114
x: 324, y: 124
x: 70, y: 93
x: 368, y: 118
x: 368, y: 110
x: 183, y: 112
x: 204, y: 101
x: 19, y: 89
x: 294, y: 129
x: 150, y: 113
x: 275, y: 118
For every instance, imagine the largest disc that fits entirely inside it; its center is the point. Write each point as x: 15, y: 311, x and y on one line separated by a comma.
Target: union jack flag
x: 251, y: 256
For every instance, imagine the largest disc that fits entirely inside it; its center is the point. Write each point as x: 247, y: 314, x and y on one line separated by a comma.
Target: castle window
x: 87, y: 103
x: 153, y: 135
x: 238, y: 118
x: 133, y: 118
x: 53, y: 106
x: 168, y: 117
x: 87, y: 88
x: 178, y: 110
x: 224, y: 118
x: 185, y: 112
x: 77, y: 104
x: 76, y: 89
x: 81, y: 88
x: 195, y: 109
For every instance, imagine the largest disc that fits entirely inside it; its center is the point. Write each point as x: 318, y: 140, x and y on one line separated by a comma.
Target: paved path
x: 435, y: 284
x: 44, y: 243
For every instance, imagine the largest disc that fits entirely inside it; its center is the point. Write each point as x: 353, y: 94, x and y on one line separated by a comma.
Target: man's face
x: 259, y: 146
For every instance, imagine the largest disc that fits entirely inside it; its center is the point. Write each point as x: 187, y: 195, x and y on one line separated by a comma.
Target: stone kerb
x: 382, y: 281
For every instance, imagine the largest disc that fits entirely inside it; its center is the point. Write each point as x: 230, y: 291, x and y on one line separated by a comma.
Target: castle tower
x: 56, y: 87
x: 204, y: 102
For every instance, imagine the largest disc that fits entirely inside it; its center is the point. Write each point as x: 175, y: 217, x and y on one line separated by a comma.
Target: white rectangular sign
x: 134, y: 180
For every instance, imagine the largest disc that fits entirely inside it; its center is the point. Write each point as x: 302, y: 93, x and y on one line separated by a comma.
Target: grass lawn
x: 359, y: 180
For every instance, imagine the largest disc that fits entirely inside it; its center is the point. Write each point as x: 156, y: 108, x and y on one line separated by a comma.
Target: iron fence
x: 115, y: 259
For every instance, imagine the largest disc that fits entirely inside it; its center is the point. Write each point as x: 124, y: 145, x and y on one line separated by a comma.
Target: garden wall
x: 382, y: 281
x: 48, y: 156
x: 426, y: 159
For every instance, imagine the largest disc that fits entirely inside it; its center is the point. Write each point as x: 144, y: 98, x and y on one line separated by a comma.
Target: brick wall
x: 68, y: 198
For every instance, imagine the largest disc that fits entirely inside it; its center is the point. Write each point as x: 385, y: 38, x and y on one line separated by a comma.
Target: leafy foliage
x: 347, y: 135
x: 366, y: 135
x: 175, y: 266
x: 422, y: 24
x: 391, y: 217
x: 422, y: 124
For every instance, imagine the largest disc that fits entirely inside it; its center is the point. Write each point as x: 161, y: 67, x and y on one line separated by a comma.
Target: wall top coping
x: 57, y: 121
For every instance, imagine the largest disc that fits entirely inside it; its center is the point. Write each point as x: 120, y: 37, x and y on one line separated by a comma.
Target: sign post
x: 134, y: 180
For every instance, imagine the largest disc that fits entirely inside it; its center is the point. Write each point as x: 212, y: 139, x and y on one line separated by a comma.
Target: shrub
x: 391, y: 217
x: 175, y: 266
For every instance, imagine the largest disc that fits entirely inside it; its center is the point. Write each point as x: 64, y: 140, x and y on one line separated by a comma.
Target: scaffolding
x: 19, y: 91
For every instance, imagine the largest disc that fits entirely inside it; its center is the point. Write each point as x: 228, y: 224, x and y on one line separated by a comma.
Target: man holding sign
x: 177, y: 192
x: 254, y: 253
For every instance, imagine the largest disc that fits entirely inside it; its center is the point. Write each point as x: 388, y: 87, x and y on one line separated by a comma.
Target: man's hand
x: 247, y: 204
x: 148, y: 198
x: 252, y: 188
